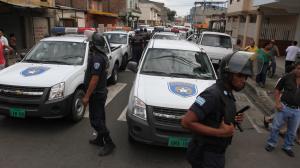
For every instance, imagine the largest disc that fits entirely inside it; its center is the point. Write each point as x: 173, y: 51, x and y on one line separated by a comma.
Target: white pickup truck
x: 120, y: 38
x: 216, y: 45
x: 48, y: 82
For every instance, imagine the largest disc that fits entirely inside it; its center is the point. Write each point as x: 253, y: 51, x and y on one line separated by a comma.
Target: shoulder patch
x: 96, y: 65
x: 200, y: 100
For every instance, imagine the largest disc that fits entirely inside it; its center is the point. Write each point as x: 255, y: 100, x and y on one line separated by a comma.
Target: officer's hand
x: 85, y: 101
x: 226, y: 130
x: 278, y: 106
x: 239, y: 118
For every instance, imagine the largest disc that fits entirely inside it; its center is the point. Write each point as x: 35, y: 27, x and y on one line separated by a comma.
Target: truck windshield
x: 177, y: 63
x: 116, y: 38
x: 216, y: 41
x: 57, y: 52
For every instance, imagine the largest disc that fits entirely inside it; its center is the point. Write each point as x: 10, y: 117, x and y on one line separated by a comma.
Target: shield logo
x: 183, y: 89
x: 31, y: 71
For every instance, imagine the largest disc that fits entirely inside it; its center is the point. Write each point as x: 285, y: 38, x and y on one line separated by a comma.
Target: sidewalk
x: 264, y: 97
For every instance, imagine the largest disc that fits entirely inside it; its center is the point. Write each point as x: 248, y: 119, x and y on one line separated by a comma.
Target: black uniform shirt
x: 291, y: 92
x: 211, y: 106
x: 96, y: 66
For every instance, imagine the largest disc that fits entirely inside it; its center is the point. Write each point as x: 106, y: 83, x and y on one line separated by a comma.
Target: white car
x: 120, y: 38
x: 170, y: 75
x: 49, y: 81
x: 166, y: 36
x: 216, y: 45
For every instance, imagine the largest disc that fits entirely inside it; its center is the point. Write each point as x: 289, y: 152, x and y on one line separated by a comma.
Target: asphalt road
x: 56, y: 143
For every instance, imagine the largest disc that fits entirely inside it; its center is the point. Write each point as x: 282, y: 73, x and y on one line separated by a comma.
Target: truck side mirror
x: 132, y: 66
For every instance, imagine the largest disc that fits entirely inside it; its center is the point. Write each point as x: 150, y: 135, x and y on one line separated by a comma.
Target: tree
x: 171, y: 15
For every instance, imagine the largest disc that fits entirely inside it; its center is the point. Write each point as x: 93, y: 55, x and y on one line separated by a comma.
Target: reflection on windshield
x: 177, y: 63
x: 116, y: 38
x: 216, y: 41
x: 57, y: 52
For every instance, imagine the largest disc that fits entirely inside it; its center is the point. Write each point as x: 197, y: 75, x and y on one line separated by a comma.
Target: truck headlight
x: 57, y: 91
x: 139, y: 109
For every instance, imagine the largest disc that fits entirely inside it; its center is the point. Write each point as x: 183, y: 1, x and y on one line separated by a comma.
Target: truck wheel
x: 78, y: 110
x: 124, y: 62
x: 114, y: 75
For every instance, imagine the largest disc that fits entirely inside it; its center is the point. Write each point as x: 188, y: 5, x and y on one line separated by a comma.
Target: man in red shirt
x: 2, y: 58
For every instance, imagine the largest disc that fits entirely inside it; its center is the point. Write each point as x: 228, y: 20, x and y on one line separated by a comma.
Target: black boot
x: 108, y: 147
x: 97, y: 141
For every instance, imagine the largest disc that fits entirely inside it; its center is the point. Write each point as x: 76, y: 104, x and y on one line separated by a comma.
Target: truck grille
x: 21, y: 92
x: 168, y: 116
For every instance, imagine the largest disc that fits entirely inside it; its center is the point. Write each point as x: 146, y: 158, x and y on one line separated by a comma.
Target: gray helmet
x: 238, y: 62
x: 98, y: 41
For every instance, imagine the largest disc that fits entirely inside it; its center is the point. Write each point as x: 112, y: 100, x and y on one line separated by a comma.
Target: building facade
x: 29, y: 20
x: 264, y: 20
x: 150, y: 14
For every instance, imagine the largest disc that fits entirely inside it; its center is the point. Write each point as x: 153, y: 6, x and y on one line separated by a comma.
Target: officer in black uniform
x: 137, y: 45
x: 212, y: 116
x: 96, y: 93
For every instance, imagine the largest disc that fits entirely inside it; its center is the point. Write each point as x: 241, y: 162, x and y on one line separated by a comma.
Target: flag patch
x: 200, y: 100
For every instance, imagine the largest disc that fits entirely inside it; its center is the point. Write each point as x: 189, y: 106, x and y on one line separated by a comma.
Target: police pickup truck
x: 48, y: 82
x: 170, y: 75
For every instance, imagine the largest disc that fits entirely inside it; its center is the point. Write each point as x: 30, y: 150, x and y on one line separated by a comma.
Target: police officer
x: 212, y: 116
x: 96, y: 93
x: 137, y: 45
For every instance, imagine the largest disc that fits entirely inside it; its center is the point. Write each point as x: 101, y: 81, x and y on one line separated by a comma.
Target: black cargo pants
x: 202, y: 156
x: 97, y: 113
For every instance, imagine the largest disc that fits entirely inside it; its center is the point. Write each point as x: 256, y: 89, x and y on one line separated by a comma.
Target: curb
x: 259, y: 97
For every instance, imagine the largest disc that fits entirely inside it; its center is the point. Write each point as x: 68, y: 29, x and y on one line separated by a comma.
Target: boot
x: 98, y: 141
x: 108, y: 147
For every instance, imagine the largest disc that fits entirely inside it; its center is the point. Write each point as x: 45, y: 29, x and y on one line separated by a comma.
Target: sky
x: 182, y: 7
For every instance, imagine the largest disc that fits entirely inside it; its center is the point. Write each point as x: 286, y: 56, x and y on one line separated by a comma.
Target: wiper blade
x: 33, y: 61
x: 55, y: 62
x: 72, y: 56
x: 156, y: 72
x: 184, y: 75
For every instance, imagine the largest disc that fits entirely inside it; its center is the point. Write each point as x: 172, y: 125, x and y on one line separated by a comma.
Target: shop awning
x: 96, y: 12
x: 27, y: 5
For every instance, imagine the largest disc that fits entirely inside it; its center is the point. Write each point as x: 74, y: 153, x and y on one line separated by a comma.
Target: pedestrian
x: 263, y: 58
x: 291, y: 53
x: 2, y: 57
x: 287, y: 103
x: 212, y: 116
x: 137, y: 46
x: 4, y: 40
x: 238, y: 47
x: 274, y: 53
x: 13, y: 42
x: 96, y: 93
x: 252, y: 47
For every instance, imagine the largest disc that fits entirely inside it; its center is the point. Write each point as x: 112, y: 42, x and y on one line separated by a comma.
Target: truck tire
x: 78, y: 110
x: 124, y: 62
x: 114, y: 75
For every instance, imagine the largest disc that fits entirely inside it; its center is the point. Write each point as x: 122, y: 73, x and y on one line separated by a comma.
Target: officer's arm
x: 92, y: 85
x: 190, y: 121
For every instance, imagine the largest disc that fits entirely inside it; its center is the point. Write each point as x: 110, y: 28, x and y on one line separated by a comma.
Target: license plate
x: 17, y: 112
x: 214, y: 61
x: 179, y: 142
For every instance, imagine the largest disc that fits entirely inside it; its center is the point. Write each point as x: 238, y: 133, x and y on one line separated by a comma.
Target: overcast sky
x: 182, y: 7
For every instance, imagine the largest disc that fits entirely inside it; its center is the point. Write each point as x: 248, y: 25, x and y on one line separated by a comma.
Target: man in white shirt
x: 5, y: 42
x: 291, y: 54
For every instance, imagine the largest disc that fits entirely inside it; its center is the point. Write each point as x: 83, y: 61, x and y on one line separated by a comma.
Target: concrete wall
x: 241, y: 6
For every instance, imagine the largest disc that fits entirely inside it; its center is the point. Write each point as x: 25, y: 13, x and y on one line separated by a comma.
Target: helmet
x: 238, y: 62
x: 98, y: 41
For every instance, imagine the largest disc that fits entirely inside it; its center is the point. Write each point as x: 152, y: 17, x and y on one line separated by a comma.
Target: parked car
x: 49, y: 81
x: 166, y: 36
x: 120, y: 38
x: 170, y: 75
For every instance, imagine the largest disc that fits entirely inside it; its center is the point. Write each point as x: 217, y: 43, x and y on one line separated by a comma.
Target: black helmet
x: 238, y: 62
x: 98, y: 41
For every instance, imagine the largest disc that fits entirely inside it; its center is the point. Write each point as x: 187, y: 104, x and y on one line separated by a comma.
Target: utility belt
x: 291, y: 106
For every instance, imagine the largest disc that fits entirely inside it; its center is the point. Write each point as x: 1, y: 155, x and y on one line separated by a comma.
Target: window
x: 230, y: 1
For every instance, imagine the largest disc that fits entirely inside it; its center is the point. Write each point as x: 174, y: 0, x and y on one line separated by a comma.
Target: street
x: 49, y: 143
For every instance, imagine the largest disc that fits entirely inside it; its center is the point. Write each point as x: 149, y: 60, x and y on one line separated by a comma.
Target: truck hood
x: 216, y: 52
x: 170, y: 92
x: 36, y: 75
